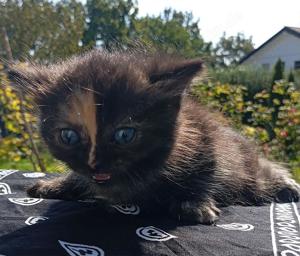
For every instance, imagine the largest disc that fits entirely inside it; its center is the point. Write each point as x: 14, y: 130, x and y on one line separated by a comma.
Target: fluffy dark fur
x: 181, y: 158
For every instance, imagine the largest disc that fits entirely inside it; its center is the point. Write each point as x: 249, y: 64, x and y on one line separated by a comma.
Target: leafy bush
x: 18, y: 133
x: 254, y: 79
x: 15, y: 139
x: 263, y: 116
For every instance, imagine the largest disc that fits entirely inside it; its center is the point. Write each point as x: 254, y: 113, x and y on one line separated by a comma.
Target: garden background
x: 263, y: 105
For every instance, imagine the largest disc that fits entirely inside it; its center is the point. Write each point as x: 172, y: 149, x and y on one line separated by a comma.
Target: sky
x: 260, y: 19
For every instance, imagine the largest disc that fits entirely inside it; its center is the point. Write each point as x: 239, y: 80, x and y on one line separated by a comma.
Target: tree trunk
x: 6, y: 44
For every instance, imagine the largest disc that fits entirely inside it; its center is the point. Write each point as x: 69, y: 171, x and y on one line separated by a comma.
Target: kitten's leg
x: 205, y: 212
x: 68, y: 187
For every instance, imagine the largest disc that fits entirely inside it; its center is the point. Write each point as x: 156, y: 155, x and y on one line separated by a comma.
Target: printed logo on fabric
x: 4, y: 189
x: 35, y: 219
x: 81, y: 249
x: 151, y: 233
x: 5, y: 173
x: 25, y: 201
x: 285, y: 228
x: 237, y: 226
x: 128, y: 209
x: 34, y: 174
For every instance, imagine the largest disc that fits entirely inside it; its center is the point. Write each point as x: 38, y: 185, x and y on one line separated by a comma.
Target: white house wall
x: 284, y: 46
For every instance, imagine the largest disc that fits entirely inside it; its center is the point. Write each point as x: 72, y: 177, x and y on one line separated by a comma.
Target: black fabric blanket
x: 37, y: 227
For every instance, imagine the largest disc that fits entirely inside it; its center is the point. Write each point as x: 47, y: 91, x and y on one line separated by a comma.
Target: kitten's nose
x: 100, y: 168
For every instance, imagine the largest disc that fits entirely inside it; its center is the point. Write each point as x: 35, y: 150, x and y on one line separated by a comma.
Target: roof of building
x: 295, y: 29
x: 291, y: 30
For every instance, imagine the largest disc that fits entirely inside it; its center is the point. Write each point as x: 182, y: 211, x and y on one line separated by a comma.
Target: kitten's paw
x: 40, y: 190
x: 205, y: 212
x: 289, y: 192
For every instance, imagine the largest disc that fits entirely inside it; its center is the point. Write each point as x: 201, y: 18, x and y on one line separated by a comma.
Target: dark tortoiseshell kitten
x: 125, y: 125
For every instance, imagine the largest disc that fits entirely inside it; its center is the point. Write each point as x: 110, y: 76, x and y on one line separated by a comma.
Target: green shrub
x: 255, y: 118
x: 15, y: 144
x: 16, y: 141
x: 254, y: 79
x: 297, y: 78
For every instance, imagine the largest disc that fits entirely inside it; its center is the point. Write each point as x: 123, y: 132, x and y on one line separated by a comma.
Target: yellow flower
x: 249, y: 130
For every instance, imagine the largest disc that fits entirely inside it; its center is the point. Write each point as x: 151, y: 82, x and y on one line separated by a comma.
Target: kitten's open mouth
x: 101, y: 177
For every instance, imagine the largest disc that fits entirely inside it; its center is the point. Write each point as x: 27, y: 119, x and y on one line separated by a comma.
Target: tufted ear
x: 174, y: 76
x: 30, y: 80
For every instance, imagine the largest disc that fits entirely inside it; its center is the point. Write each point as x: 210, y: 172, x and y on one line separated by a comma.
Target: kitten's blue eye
x: 124, y: 135
x: 69, y: 137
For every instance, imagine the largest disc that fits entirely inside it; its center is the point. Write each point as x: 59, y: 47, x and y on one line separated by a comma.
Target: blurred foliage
x: 278, y: 71
x: 253, y: 78
x: 15, y: 139
x: 174, y: 32
x: 25, y: 165
x: 296, y: 74
x: 230, y: 50
x: 49, y: 30
x: 42, y: 29
x: 255, y: 117
x: 291, y: 77
x: 109, y: 22
x: 15, y: 145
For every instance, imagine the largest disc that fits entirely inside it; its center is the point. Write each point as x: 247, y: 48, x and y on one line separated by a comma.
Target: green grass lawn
x: 51, y: 164
x: 296, y: 174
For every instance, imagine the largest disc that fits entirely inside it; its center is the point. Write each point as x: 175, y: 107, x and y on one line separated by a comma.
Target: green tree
x: 278, y: 71
x: 172, y: 32
x: 291, y: 77
x: 41, y: 29
x: 230, y: 50
x: 276, y: 96
x: 109, y: 21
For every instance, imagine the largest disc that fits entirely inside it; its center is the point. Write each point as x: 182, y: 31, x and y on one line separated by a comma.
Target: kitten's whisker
x: 70, y: 89
x: 91, y: 90
x: 43, y: 105
x: 45, y: 119
x: 173, y: 181
x: 49, y: 117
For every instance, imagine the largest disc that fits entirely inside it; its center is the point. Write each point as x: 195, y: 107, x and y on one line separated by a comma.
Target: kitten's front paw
x: 290, y: 192
x: 40, y: 190
x: 205, y: 212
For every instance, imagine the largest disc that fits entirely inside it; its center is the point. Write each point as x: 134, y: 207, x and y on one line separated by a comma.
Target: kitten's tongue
x: 101, y: 177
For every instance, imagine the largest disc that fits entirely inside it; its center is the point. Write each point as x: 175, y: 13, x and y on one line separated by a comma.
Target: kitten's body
x: 180, y: 158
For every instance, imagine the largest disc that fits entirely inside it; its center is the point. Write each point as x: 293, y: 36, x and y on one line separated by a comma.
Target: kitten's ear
x: 174, y: 76
x: 30, y: 80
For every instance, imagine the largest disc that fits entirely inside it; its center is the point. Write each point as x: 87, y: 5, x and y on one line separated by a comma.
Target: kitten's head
x: 110, y: 116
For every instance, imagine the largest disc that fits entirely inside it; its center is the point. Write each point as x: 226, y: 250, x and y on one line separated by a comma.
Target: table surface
x: 30, y: 227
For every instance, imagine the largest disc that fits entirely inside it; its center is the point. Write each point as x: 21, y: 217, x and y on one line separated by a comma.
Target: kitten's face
x: 116, y: 131
x: 112, y: 118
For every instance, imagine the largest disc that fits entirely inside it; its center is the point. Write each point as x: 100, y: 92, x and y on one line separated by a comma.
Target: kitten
x: 125, y: 125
